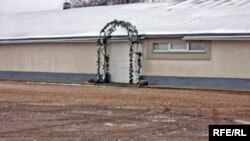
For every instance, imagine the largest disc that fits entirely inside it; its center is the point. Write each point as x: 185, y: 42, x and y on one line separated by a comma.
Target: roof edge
x: 196, y: 36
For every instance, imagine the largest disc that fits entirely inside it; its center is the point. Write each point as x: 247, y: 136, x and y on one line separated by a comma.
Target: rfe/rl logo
x: 229, y: 132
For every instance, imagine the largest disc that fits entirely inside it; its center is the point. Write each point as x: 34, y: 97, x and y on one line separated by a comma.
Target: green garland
x: 102, y: 43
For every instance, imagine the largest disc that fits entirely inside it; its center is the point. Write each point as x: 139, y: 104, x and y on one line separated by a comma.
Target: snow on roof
x: 168, y: 18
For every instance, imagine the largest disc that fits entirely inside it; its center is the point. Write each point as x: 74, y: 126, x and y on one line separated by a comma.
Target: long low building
x: 184, y: 43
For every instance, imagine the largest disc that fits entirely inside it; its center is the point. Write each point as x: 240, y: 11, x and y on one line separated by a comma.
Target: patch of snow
x: 171, y: 17
x: 73, y: 128
x: 161, y: 118
x: 173, y: 132
x: 132, y: 108
x: 242, y: 121
x: 85, y: 112
x: 109, y: 124
x: 168, y: 120
x: 94, y: 113
x: 109, y: 113
x: 128, y: 125
x: 154, y: 120
x: 204, y: 134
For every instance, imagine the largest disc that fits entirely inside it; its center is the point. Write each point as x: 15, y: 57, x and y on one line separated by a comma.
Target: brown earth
x: 36, y: 111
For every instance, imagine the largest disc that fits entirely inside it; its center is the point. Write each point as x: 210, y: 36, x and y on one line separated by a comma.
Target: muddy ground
x: 38, y: 112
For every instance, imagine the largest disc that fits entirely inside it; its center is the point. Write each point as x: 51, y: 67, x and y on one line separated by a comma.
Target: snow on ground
x: 56, y: 112
x: 242, y: 121
x: 182, y: 17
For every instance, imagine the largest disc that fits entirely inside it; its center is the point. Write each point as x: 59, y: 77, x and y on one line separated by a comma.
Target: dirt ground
x: 39, y: 111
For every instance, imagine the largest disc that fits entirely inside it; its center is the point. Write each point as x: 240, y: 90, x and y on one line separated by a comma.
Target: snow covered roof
x: 169, y: 18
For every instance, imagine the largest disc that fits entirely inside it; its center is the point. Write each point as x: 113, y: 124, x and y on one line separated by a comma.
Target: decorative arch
x: 135, y: 55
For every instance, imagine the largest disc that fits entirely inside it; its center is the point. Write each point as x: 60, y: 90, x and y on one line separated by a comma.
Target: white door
x: 119, y: 62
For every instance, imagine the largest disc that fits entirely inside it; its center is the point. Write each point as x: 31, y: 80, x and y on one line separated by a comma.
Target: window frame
x: 160, y: 50
x: 170, y: 50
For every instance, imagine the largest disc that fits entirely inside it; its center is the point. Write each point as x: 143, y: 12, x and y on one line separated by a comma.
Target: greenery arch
x: 103, y: 55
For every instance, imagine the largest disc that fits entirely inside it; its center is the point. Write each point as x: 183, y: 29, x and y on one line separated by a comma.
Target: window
x: 179, y: 47
x: 196, y: 46
x: 159, y: 47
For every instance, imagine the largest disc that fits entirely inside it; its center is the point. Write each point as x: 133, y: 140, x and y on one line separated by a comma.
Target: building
x: 187, y: 43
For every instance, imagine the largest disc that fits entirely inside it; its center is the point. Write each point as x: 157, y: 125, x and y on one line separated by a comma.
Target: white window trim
x: 187, y: 50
